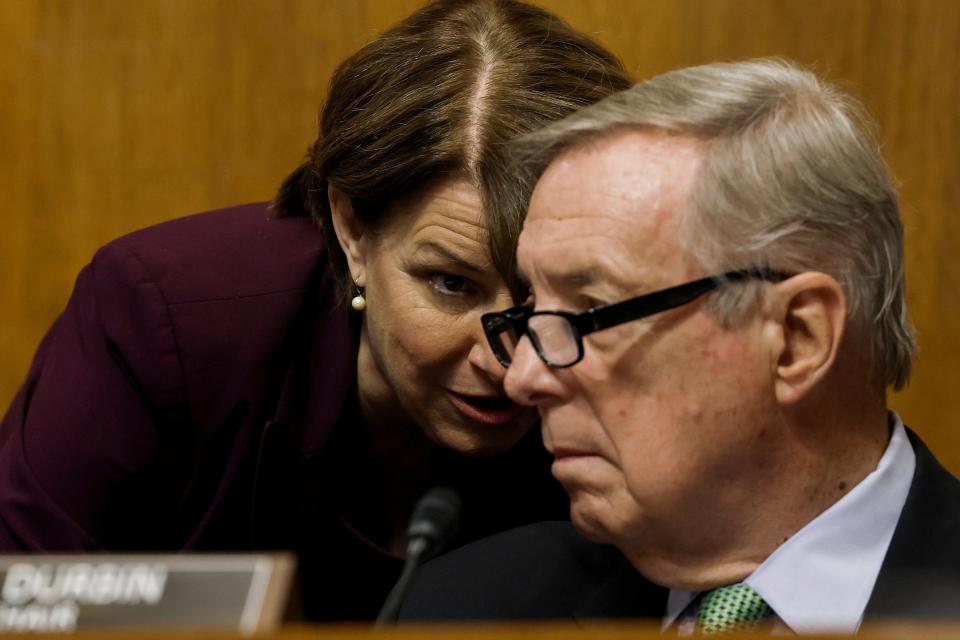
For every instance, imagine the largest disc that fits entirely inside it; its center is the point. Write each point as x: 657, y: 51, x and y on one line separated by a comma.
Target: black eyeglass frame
x: 616, y: 313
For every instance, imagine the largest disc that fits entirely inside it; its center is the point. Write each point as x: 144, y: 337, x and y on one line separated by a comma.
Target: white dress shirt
x: 821, y: 578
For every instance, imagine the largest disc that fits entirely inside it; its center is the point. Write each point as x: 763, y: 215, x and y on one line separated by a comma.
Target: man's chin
x: 590, y: 523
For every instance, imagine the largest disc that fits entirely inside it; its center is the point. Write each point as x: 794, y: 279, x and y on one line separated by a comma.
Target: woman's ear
x: 350, y: 233
x: 812, y: 311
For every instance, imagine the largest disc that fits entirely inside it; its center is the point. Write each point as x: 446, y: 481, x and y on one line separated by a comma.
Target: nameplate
x: 63, y: 593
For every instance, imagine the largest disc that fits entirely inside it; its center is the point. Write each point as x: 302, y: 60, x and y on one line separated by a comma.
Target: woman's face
x: 427, y: 277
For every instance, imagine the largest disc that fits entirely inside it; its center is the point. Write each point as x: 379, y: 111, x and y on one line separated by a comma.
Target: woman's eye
x: 449, y: 284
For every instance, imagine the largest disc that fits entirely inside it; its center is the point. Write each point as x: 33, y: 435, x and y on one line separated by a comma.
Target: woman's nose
x: 482, y: 358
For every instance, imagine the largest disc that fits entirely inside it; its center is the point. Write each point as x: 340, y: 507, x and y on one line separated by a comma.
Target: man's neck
x: 820, y: 456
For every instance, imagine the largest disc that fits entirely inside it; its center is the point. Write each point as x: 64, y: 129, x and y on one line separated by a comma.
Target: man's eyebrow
x: 450, y: 255
x: 574, y: 278
x: 568, y: 278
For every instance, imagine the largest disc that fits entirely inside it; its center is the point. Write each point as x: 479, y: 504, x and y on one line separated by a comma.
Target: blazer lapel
x: 274, y: 505
x: 315, y: 391
x: 920, y: 576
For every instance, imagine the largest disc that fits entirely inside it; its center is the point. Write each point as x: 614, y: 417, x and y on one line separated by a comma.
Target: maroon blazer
x: 149, y: 409
x: 188, y: 395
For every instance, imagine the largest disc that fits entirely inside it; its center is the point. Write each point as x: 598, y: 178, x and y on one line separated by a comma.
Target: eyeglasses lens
x: 555, y: 338
x: 502, y: 338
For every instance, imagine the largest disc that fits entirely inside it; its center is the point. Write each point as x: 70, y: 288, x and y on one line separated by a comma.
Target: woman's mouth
x: 491, y: 410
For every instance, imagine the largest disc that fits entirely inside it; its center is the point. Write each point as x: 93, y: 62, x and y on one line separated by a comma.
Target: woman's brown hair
x: 439, y: 96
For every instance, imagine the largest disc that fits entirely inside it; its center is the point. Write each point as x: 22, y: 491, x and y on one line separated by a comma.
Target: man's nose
x: 529, y: 380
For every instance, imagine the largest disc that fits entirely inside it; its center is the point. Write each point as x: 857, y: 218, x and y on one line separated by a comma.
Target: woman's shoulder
x: 236, y: 252
x: 204, y: 303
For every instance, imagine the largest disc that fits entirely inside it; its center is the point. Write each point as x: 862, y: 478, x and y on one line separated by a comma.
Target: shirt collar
x: 821, y: 578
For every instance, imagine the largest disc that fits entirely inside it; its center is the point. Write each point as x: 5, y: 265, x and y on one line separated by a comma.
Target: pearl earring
x: 358, y: 303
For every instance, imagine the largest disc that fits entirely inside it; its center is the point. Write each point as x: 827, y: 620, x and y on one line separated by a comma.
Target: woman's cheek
x: 433, y: 337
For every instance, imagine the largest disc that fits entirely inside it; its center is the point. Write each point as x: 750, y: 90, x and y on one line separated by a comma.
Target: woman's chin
x: 471, y: 438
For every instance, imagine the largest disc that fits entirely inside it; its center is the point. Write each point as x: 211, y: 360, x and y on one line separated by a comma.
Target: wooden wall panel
x: 117, y: 114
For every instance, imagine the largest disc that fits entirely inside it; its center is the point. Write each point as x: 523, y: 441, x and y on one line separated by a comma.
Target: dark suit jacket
x: 190, y: 397
x: 547, y: 571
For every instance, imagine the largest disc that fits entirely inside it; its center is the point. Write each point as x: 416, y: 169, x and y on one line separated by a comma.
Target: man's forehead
x: 649, y: 159
x: 638, y: 168
x: 618, y: 196
x: 576, y: 253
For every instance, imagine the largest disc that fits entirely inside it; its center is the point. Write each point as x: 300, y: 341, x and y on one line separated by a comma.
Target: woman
x: 209, y: 386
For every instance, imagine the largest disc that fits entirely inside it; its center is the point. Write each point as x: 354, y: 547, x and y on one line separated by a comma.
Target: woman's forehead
x: 445, y: 218
x: 452, y: 207
x: 453, y: 202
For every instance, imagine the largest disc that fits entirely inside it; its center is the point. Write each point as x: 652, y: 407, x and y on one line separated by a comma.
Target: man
x: 717, y: 308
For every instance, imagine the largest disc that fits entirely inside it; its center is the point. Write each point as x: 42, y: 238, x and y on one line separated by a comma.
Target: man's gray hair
x: 792, y: 179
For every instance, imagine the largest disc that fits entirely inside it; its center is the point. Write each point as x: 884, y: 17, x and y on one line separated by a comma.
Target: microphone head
x: 435, y: 518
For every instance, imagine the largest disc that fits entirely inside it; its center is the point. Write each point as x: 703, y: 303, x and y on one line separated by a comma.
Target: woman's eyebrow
x: 446, y: 253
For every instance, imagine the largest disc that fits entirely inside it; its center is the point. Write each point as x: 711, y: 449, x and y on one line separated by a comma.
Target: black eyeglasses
x: 558, y: 335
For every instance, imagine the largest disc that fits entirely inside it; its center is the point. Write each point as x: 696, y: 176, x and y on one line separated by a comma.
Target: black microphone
x: 433, y: 524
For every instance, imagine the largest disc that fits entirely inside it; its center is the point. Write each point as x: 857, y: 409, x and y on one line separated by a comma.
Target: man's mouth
x: 491, y: 410
x: 560, y: 454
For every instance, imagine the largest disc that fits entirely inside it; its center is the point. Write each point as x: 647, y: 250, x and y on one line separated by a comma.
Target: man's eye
x: 449, y: 284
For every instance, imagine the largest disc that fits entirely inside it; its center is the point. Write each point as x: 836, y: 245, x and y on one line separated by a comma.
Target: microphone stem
x: 388, y: 614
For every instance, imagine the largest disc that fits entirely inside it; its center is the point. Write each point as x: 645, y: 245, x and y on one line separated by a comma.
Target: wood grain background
x: 115, y: 114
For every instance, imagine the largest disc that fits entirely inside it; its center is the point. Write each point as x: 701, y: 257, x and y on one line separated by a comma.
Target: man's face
x: 655, y: 429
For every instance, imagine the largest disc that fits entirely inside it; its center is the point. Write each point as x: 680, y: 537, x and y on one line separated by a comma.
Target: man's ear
x: 812, y: 311
x: 350, y: 234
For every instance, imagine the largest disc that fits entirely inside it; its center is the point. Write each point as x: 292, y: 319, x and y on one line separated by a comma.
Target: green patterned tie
x: 732, y: 608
